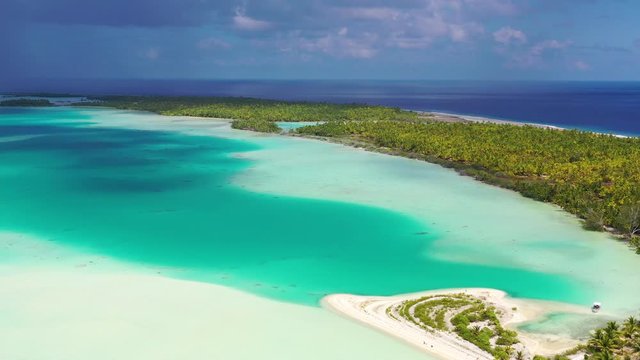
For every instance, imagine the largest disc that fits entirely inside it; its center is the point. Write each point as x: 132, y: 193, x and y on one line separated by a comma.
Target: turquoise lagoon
x: 248, y: 211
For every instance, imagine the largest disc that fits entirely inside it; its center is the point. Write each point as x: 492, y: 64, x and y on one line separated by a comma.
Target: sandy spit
x: 372, y: 311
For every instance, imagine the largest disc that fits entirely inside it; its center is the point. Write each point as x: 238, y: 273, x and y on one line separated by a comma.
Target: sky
x: 320, y: 39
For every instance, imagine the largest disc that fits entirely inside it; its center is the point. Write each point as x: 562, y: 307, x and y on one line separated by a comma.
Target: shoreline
x: 453, y: 117
x: 447, y: 164
x: 372, y: 311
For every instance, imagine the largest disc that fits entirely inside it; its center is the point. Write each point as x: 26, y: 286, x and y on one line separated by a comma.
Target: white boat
x: 596, y: 307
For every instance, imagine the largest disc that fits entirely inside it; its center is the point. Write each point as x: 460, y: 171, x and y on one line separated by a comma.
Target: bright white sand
x: 448, y: 117
x: 56, y: 304
x: 372, y: 311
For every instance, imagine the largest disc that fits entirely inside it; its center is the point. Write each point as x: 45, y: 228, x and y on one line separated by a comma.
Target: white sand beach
x: 373, y: 311
x: 448, y: 117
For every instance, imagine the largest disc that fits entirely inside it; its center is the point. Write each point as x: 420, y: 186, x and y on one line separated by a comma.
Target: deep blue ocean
x: 598, y: 106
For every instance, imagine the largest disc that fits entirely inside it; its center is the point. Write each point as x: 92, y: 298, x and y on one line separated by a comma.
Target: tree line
x: 255, y: 109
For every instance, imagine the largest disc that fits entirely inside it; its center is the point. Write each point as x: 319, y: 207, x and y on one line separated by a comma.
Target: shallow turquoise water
x: 577, y: 326
x: 166, y: 199
x: 287, y: 126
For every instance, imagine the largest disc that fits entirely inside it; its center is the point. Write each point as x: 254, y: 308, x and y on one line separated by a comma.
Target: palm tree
x: 631, y: 325
x: 519, y: 355
x: 601, y: 341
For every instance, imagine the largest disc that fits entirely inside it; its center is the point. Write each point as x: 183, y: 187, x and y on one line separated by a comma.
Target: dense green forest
x: 255, y: 109
x: 594, y: 176
x: 25, y: 102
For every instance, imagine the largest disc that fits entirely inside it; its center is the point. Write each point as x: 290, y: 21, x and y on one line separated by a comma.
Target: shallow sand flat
x: 58, y: 304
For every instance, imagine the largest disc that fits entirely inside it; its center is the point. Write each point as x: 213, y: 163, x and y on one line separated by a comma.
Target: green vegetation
x: 466, y: 316
x: 615, y: 341
x: 25, y: 102
x: 594, y: 176
x: 557, y: 357
x: 564, y: 356
x: 474, y: 321
x: 256, y: 109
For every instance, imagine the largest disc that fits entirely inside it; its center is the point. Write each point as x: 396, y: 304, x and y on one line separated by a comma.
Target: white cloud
x: 243, y: 22
x: 151, y: 53
x: 340, y: 45
x: 581, y: 65
x: 543, y: 46
x: 370, y: 13
x: 416, y: 27
x: 508, y: 35
x: 361, y: 31
x: 213, y: 43
x: 501, y: 7
x: 534, y: 55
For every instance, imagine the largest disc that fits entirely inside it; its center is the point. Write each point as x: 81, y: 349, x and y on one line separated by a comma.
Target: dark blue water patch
x: 43, y: 115
x: 96, y: 140
x: 137, y: 184
x: 124, y: 161
x: 116, y: 162
x: 9, y: 110
x: 15, y: 130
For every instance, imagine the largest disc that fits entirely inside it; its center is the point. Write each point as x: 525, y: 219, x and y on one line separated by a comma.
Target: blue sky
x: 321, y: 39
